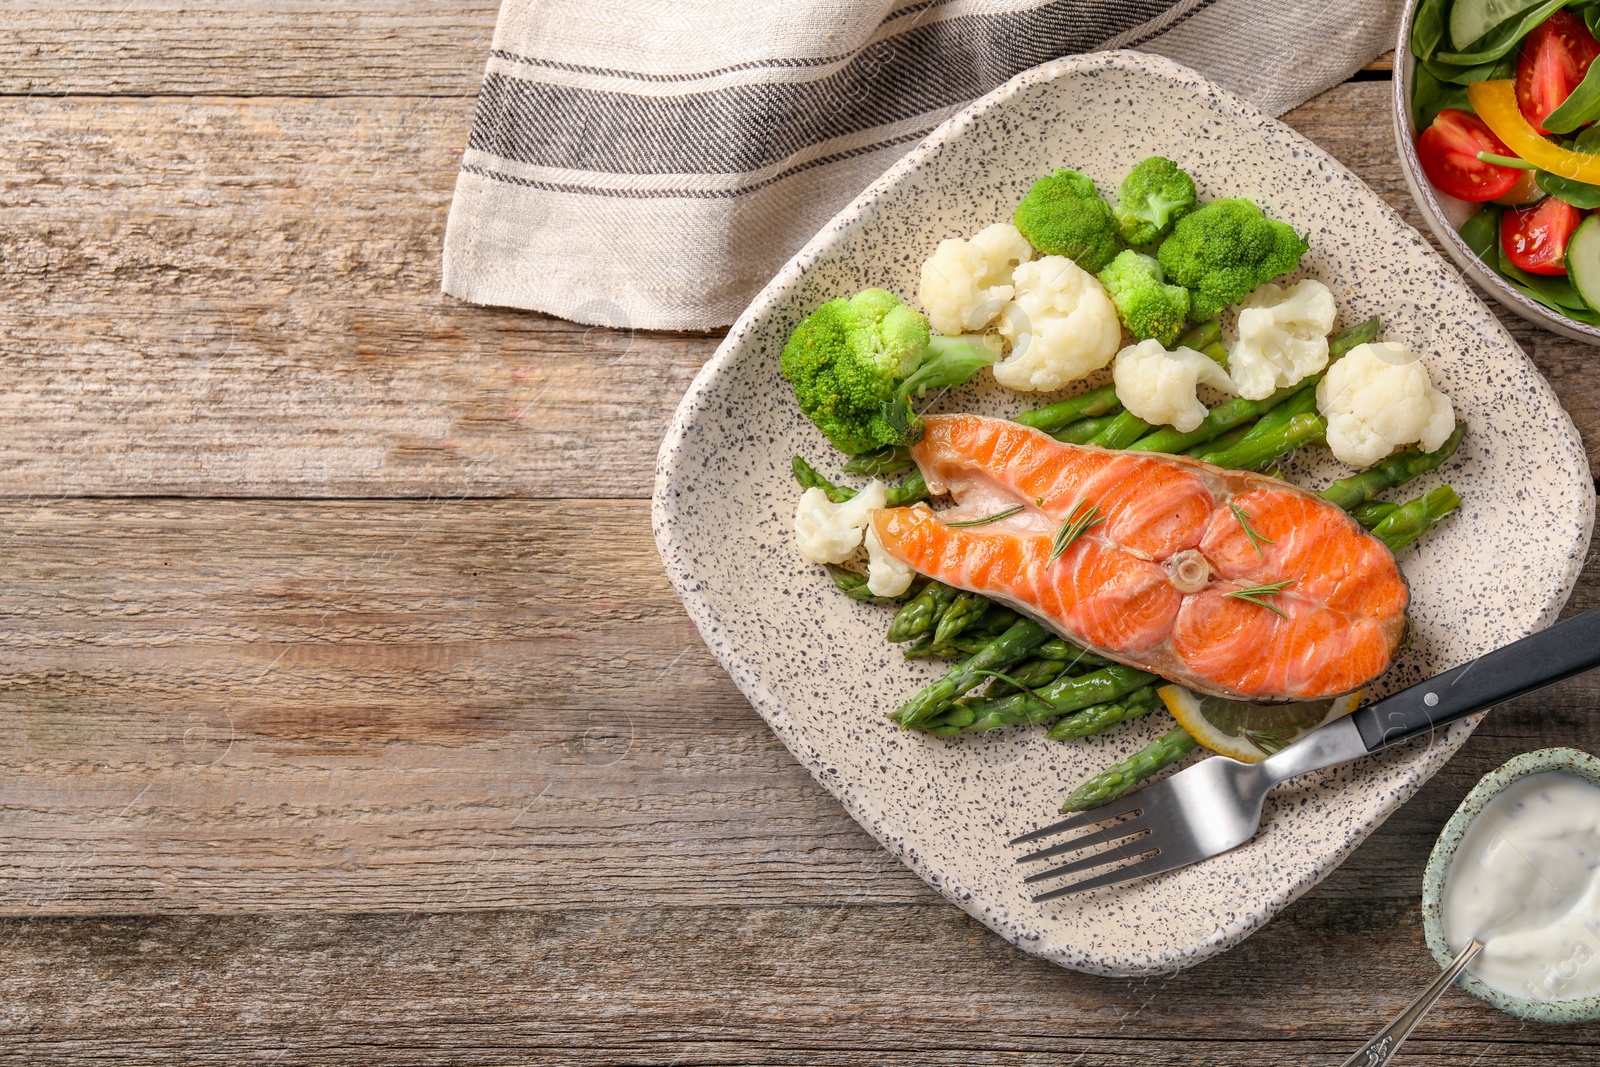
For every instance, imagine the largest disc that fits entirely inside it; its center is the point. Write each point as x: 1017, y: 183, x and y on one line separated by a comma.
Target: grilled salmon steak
x: 1227, y: 582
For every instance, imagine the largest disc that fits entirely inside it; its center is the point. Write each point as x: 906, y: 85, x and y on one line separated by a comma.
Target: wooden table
x: 346, y: 713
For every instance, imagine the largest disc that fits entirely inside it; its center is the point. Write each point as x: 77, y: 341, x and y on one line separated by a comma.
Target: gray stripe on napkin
x: 746, y: 127
x: 711, y: 140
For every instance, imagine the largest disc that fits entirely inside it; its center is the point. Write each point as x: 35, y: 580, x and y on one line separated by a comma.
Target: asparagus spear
x: 854, y: 586
x: 1120, y: 778
x: 1264, y: 444
x: 1015, y: 644
x: 1392, y: 472
x: 808, y: 478
x: 1227, y: 440
x: 1075, y: 656
x: 1359, y: 334
x: 1032, y: 673
x: 1236, y: 412
x: 1123, y: 431
x: 963, y: 611
x: 1084, y: 430
x: 1102, y: 717
x: 1064, y: 695
x: 1219, y: 420
x: 1056, y: 416
x: 1416, y: 517
x: 1372, y: 512
x: 909, y: 491
x: 921, y: 613
x: 890, y: 459
x: 913, y: 489
x: 1200, y: 334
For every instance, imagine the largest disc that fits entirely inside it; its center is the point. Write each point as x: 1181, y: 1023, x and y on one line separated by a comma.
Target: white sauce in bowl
x: 1525, y: 880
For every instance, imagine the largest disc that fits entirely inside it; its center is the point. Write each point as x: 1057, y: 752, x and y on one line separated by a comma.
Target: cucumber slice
x: 1583, y: 260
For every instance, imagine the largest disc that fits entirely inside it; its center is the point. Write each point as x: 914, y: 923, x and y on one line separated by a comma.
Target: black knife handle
x: 1520, y: 668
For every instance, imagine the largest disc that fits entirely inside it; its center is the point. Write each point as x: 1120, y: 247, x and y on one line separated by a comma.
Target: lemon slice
x: 1249, y: 732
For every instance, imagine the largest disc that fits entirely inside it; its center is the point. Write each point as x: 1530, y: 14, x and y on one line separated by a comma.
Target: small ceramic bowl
x: 1444, y: 213
x: 1568, y: 760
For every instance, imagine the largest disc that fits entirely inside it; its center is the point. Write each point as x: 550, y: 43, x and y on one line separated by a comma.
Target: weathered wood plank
x: 244, y: 48
x: 741, y: 985
x: 387, y: 705
x: 263, y: 275
x: 241, y: 298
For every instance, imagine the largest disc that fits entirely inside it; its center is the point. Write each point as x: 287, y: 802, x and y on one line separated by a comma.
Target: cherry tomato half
x: 1448, y: 151
x: 1535, y: 238
x: 1553, y: 60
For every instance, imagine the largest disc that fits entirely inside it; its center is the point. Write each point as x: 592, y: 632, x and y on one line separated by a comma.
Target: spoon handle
x: 1381, y: 1049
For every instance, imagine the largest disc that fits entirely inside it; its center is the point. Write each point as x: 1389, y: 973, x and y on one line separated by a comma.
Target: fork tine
x: 1083, y: 818
x: 1154, y: 861
x: 1139, y: 868
x: 1137, y: 825
x: 1136, y: 844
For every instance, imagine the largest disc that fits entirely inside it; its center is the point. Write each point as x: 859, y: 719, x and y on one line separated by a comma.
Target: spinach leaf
x: 1482, y: 234
x: 1500, y: 40
x: 1427, y: 28
x: 1581, y: 107
x: 1430, y: 96
x: 1471, y: 19
x: 1556, y: 289
x: 1505, y: 67
x: 1578, y: 194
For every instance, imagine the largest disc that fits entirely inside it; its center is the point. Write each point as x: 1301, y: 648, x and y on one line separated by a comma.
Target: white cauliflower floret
x: 1061, y: 325
x: 829, y: 532
x: 1378, y: 398
x: 1283, y: 336
x: 966, y: 283
x: 886, y: 576
x: 1160, y: 387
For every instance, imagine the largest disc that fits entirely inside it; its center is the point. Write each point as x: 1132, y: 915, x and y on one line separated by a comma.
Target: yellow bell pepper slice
x: 1496, y: 104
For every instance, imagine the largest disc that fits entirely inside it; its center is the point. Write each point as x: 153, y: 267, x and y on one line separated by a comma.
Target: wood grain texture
x: 264, y: 274
x: 414, y: 757
x: 244, y: 47
x: 719, y: 985
x: 242, y: 298
x: 392, y: 706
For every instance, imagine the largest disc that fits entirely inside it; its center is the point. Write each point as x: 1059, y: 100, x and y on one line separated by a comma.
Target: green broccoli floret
x: 855, y: 363
x: 1062, y: 215
x: 1224, y: 250
x: 1153, y: 196
x: 1148, y: 306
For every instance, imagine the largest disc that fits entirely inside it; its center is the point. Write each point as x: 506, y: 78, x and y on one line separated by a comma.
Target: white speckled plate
x: 816, y: 664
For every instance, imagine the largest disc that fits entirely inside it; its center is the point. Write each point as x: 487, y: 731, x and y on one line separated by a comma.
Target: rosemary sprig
x: 1274, y: 740
x: 987, y: 519
x: 1256, y: 592
x: 1012, y: 681
x: 1075, y: 527
x: 1256, y: 540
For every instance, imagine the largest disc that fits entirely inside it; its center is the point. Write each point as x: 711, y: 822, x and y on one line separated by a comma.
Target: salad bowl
x: 1445, y: 214
x: 816, y: 665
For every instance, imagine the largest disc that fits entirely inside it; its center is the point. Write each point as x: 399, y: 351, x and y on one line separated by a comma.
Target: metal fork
x: 1216, y: 805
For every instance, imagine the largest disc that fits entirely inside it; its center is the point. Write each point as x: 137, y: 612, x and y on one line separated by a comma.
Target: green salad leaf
x: 1504, y: 67
x: 1582, y: 107
x: 1578, y: 194
x: 1504, y: 37
x: 1471, y: 20
x: 1427, y: 28
x: 1481, y: 233
x: 1431, y: 96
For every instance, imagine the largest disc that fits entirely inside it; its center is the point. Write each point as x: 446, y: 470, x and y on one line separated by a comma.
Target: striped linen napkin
x: 651, y: 163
